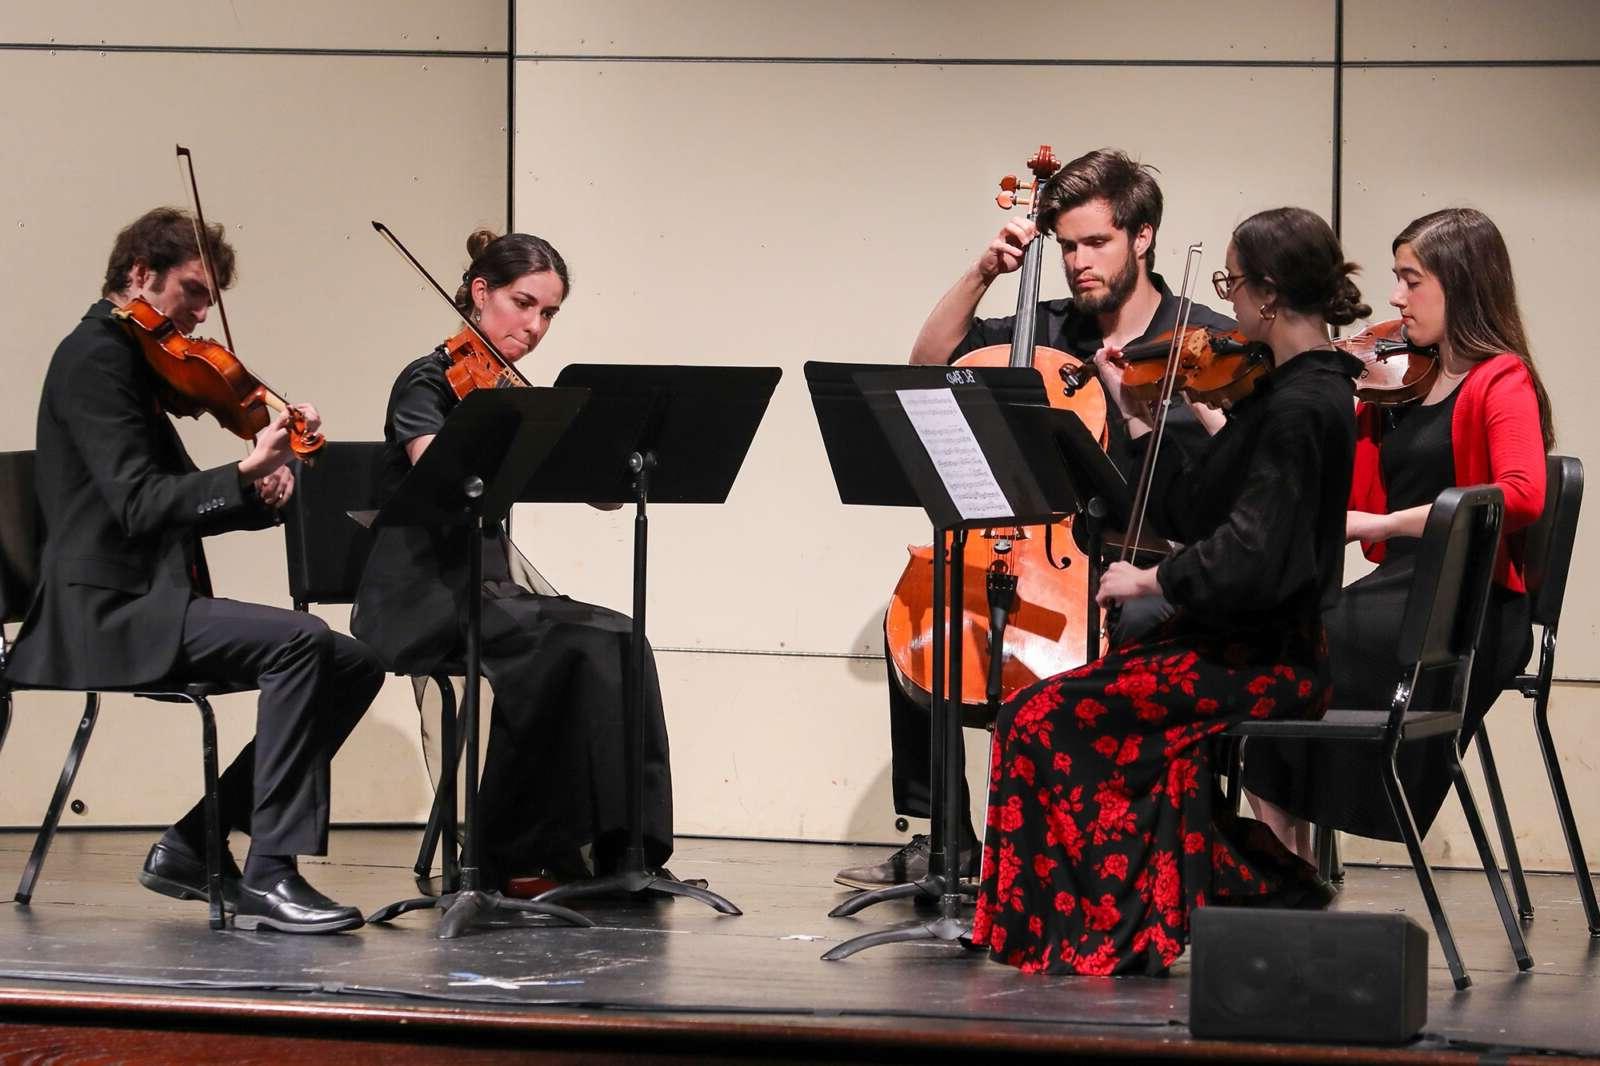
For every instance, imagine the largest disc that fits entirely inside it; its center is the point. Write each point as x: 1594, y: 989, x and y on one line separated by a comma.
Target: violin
x: 1215, y: 367
x: 1394, y: 371
x: 202, y: 376
x: 475, y: 362
x: 1025, y: 613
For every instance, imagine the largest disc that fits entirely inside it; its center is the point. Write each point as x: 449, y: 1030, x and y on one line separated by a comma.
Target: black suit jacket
x: 124, y: 509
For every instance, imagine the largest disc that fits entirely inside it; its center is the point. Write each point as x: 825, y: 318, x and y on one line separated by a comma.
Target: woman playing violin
x: 1102, y: 837
x: 553, y: 783
x: 1486, y: 420
x: 124, y: 596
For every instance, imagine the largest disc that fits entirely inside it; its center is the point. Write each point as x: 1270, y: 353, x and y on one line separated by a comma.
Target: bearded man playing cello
x: 1103, y: 210
x: 124, y: 597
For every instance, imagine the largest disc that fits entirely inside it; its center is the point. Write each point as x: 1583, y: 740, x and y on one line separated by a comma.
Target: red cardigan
x: 1496, y: 439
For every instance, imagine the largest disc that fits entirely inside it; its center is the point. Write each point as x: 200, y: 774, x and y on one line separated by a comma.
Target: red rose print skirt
x: 1105, y: 827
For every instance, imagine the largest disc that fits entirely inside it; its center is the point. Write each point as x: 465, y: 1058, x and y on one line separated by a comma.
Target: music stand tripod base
x: 929, y: 888
x: 639, y: 883
x: 462, y: 910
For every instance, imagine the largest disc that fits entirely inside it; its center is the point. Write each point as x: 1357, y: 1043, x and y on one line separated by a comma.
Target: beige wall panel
x: 1470, y: 30
x: 456, y: 25
x: 322, y: 308
x: 786, y: 746
x: 701, y: 230
x: 1545, y: 207
x: 930, y: 29
x: 1533, y: 812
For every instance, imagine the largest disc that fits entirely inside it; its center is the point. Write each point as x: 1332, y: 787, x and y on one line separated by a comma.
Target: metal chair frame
x: 1444, y: 616
x: 1549, y: 543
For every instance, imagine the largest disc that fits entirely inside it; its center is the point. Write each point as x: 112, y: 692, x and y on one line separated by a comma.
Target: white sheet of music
x: 944, y: 431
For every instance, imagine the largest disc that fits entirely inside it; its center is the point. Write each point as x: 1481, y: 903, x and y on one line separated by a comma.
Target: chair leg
x: 1401, y: 809
x: 52, y: 817
x: 442, y: 815
x: 1233, y: 759
x: 1491, y: 869
x: 1502, y: 821
x: 208, y: 747
x: 1569, y: 825
x: 1326, y: 845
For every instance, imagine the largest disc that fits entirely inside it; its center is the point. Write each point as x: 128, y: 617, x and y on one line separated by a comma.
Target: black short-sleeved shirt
x: 412, y: 596
x: 1062, y: 326
x: 1263, y: 506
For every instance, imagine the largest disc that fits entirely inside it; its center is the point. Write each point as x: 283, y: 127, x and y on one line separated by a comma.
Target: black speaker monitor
x: 1305, y: 975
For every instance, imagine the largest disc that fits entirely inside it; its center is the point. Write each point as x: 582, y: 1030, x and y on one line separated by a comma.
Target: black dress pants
x: 314, y: 685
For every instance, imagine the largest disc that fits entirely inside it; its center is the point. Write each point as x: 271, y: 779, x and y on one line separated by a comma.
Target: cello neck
x: 1022, y: 340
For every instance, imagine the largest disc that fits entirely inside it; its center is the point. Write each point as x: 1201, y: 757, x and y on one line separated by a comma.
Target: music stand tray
x: 650, y: 434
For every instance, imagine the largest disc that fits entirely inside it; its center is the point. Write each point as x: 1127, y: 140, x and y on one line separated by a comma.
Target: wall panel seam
x: 948, y: 61
x: 783, y: 653
x: 1250, y: 64
x: 254, y: 50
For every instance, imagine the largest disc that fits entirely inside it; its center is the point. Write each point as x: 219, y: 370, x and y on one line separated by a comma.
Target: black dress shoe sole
x: 254, y: 922
x: 178, y: 889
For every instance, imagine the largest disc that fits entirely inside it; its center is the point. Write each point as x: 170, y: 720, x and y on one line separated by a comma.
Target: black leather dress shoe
x: 173, y: 869
x: 905, y: 866
x: 293, y: 906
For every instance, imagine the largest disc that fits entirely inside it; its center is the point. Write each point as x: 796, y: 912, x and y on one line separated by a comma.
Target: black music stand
x: 866, y: 472
x: 650, y: 434
x: 1029, y: 487
x: 470, y: 476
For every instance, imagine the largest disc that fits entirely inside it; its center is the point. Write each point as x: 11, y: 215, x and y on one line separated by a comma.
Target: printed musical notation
x: 962, y: 466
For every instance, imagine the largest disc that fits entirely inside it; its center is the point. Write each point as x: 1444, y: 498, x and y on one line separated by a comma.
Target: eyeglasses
x: 1225, y: 283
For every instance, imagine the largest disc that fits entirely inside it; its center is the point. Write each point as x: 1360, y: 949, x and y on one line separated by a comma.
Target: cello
x: 1025, y: 609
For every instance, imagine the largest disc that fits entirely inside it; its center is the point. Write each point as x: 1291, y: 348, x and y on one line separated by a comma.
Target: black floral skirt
x: 1105, y: 827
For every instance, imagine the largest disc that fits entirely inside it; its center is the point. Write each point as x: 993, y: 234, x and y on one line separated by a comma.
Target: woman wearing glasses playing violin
x: 1486, y: 420
x: 1102, y: 837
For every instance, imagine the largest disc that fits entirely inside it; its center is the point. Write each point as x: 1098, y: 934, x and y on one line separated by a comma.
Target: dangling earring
x: 477, y: 314
x: 1262, y: 311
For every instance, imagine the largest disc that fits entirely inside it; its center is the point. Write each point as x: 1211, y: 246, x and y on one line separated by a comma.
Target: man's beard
x: 1118, y: 288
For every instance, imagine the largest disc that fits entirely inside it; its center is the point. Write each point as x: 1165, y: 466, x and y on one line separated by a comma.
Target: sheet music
x: 961, y: 464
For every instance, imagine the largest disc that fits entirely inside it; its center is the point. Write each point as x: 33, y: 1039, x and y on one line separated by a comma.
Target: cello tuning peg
x: 1006, y: 201
x: 1009, y: 183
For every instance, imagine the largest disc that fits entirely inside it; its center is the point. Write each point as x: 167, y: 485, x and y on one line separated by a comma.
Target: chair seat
x: 183, y: 691
x: 1343, y: 724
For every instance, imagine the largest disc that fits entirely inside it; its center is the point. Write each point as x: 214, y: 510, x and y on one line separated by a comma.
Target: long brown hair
x: 1464, y: 249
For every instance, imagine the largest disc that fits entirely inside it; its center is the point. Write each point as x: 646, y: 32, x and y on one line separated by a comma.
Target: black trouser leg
x: 314, y: 686
x: 911, y: 758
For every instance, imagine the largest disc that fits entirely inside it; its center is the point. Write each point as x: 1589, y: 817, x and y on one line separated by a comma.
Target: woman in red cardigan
x: 1486, y: 421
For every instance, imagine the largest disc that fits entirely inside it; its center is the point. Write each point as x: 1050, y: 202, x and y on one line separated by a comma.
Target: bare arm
x: 951, y: 317
x: 417, y: 445
x: 1374, y: 528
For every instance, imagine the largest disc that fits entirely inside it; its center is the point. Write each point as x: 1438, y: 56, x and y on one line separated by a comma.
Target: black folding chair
x: 1438, y: 635
x: 20, y: 545
x: 1548, y: 553
x: 327, y: 550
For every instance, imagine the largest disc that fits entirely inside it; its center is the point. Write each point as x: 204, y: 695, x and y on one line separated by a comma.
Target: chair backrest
x: 21, y: 535
x: 1548, y: 542
x: 326, y: 547
x: 1455, y: 565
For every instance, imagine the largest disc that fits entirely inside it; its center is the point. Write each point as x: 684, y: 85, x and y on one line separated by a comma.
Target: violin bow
x: 1141, y: 498
x: 395, y: 243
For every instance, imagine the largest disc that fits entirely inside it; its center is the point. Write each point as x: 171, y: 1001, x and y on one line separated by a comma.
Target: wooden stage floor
x: 98, y: 965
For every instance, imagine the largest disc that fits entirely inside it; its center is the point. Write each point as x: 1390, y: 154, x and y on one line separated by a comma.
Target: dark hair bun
x: 480, y: 239
x: 1345, y: 306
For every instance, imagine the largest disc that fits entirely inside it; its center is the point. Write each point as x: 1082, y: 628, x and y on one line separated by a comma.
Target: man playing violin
x: 124, y: 597
x: 1103, y: 209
